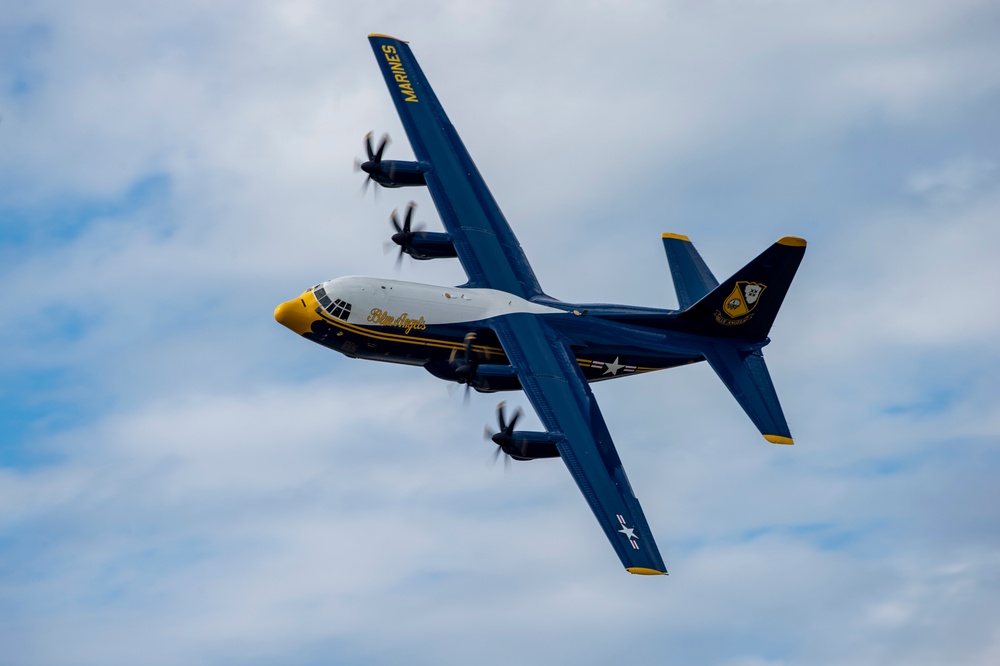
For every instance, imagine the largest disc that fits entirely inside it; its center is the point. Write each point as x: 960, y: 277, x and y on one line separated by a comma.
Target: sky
x: 182, y: 480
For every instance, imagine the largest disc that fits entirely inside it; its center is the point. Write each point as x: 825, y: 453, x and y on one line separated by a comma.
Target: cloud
x: 954, y: 181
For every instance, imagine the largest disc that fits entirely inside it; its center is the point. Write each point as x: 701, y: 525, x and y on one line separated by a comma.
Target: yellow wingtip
x: 677, y: 236
x: 778, y: 439
x: 792, y: 241
x: 643, y: 571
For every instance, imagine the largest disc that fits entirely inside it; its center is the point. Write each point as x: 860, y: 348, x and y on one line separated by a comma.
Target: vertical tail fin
x: 745, y: 305
x: 692, y: 278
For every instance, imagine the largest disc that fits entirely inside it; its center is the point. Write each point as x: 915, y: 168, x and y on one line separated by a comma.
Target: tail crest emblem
x: 739, y: 305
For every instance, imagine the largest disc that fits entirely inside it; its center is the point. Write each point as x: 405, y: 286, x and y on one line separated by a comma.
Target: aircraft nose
x: 296, y: 314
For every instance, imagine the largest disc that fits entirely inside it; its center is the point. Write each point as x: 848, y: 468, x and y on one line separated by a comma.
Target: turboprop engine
x: 520, y: 445
x: 389, y: 173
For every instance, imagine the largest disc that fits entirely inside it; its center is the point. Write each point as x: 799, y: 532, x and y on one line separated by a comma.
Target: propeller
x: 466, y: 367
x: 404, y: 233
x: 504, y: 439
x: 374, y: 163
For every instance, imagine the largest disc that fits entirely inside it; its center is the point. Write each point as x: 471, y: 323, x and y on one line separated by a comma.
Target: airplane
x: 499, y: 331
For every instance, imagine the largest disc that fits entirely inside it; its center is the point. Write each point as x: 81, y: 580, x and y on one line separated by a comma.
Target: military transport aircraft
x: 500, y: 331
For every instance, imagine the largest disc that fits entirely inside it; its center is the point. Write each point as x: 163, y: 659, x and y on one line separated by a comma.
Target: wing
x: 483, y: 240
x: 551, y: 378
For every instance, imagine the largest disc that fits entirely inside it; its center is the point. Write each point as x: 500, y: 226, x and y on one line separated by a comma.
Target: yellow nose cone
x: 298, y: 314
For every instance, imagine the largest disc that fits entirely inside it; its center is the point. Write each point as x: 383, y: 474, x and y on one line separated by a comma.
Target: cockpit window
x: 341, y: 310
x: 338, y: 308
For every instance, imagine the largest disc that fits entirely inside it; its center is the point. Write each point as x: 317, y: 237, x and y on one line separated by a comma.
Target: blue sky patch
x: 934, y: 401
x: 64, y: 220
x: 32, y: 406
x: 21, y: 50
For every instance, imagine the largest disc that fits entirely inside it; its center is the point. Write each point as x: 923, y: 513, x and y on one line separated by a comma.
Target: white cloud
x: 953, y: 182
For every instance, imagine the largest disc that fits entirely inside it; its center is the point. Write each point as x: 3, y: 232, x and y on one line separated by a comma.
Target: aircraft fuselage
x: 427, y: 325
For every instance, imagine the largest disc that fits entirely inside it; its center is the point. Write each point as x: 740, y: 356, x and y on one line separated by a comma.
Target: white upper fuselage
x: 382, y: 302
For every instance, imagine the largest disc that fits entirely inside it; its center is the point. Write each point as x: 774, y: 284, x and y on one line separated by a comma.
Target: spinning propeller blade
x: 374, y: 163
x: 405, y: 231
x: 504, y: 439
x: 465, y: 367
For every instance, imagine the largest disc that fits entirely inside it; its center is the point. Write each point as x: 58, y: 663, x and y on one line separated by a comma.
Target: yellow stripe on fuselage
x: 441, y: 343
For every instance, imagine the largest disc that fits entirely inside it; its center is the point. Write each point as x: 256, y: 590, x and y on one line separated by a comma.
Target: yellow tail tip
x: 792, y: 241
x: 778, y: 439
x: 677, y: 236
x: 376, y: 34
x: 643, y: 571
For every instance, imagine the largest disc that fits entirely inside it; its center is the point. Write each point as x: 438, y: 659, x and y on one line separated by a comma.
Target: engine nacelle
x: 396, y: 173
x: 491, y: 377
x: 424, y: 245
x: 527, y: 445
x: 487, y: 377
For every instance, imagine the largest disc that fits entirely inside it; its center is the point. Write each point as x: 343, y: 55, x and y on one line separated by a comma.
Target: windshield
x: 337, y: 308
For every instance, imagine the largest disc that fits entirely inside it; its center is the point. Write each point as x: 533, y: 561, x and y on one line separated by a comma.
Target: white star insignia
x: 613, y: 367
x: 629, y: 532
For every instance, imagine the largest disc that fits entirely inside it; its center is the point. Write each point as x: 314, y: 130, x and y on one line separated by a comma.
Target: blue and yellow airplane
x: 500, y: 331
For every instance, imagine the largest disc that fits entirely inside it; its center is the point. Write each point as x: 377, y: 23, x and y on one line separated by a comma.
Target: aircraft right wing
x: 553, y: 382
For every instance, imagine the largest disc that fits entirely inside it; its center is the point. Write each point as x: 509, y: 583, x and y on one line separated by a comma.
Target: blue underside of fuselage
x: 604, y: 349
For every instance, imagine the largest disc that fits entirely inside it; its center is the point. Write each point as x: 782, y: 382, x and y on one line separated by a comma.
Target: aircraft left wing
x: 552, y: 380
x: 484, y: 242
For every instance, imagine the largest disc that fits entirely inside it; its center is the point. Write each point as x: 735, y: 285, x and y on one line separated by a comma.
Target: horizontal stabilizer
x: 745, y: 375
x: 692, y: 278
x: 745, y: 305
